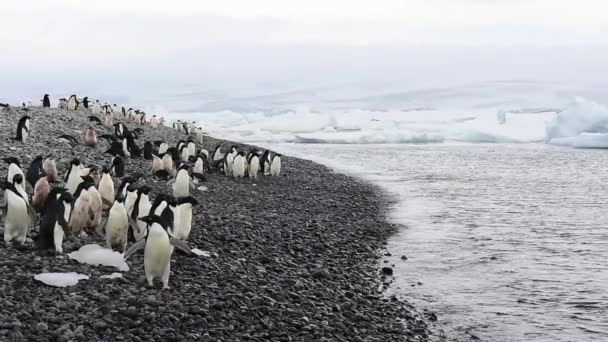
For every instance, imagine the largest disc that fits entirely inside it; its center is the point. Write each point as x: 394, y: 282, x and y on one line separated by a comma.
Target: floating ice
x: 60, y: 279
x: 582, y: 124
x: 97, y: 255
x: 111, y: 276
x: 200, y: 252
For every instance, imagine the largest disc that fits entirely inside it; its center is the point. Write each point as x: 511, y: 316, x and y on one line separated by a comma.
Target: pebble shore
x: 292, y: 258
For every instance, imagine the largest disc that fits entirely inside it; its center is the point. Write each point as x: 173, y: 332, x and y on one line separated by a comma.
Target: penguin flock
x: 85, y: 201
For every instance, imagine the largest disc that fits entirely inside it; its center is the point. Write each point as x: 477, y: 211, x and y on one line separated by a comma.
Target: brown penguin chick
x: 90, y: 137
x: 108, y: 120
x: 50, y: 168
x: 41, y: 193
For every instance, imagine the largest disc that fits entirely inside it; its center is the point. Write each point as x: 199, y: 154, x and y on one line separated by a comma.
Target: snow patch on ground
x: 60, y: 279
x: 96, y: 255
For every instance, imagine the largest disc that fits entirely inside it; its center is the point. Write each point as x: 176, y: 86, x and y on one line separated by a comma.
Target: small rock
x: 42, y: 326
x: 403, y: 257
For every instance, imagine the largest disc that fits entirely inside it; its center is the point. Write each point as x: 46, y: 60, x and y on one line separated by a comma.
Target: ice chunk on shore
x: 111, y: 276
x: 60, y: 279
x: 200, y: 252
x: 202, y: 188
x: 96, y: 255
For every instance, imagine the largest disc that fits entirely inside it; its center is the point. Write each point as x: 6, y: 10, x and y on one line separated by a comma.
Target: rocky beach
x: 291, y: 258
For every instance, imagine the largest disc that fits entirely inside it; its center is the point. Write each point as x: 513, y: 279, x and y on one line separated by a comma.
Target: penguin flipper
x: 32, y: 214
x: 192, y: 185
x: 134, y: 248
x: 133, y: 224
x: 106, y: 202
x: 180, y: 244
x: 102, y: 226
x: 171, y: 181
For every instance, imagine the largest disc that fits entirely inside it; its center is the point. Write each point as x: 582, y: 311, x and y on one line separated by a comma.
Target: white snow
x: 111, y: 276
x: 97, y: 255
x: 60, y: 279
x: 200, y: 252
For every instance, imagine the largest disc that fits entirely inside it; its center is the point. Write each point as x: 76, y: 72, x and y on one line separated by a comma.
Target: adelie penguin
x: 14, y: 169
x: 35, y: 171
x: 154, y: 121
x: 275, y: 165
x: 158, y: 248
x: 19, y: 214
x: 82, y: 213
x: 50, y: 168
x: 46, y: 102
x: 148, y: 151
x: 23, y: 129
x: 96, y: 110
x: 54, y: 223
x: 265, y: 163
x: 72, y: 102
x: 198, y: 171
x: 254, y: 165
x: 117, y: 225
x: 141, y: 208
x: 95, y: 119
x: 106, y: 188
x: 117, y: 167
x: 90, y: 137
x: 182, y: 182
x: 85, y: 102
x: 183, y: 217
x: 238, y: 165
x: 73, y: 176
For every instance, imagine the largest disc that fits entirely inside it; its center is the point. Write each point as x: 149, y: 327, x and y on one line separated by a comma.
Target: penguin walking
x: 198, y: 171
x: 54, y: 223
x: 90, y: 137
x: 254, y: 165
x: 118, y: 167
x: 50, y: 169
x: 117, y: 225
x: 19, y: 214
x: 73, y: 176
x: 275, y: 165
x: 238, y: 165
x: 35, y: 171
x: 158, y: 247
x: 85, y: 102
x: 106, y: 189
x: 23, y: 129
x: 141, y: 208
x: 183, y: 217
x: 154, y: 121
x: 46, y: 102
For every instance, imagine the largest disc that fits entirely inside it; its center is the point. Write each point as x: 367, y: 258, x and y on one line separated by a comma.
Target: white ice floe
x: 97, y: 255
x: 200, y: 252
x: 60, y: 279
x: 202, y: 188
x: 112, y: 276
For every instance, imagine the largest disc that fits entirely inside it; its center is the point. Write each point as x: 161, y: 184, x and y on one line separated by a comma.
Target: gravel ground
x: 294, y: 258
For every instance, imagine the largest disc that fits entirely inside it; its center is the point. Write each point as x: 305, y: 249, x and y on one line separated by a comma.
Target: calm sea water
x: 505, y: 242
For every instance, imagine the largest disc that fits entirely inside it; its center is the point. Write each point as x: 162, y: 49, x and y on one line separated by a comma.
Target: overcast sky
x: 292, y: 40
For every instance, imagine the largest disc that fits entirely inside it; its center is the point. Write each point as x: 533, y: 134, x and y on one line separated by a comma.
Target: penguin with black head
x: 19, y: 215
x: 54, y: 223
x: 46, y: 102
x: 23, y: 129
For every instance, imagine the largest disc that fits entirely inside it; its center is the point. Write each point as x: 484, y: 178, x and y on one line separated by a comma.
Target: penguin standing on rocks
x: 85, y: 102
x: 158, y: 248
x: 54, y: 223
x: 19, y: 215
x: 265, y: 163
x: 42, y: 189
x: 95, y: 204
x: 96, y: 110
x: 141, y: 208
x: 14, y: 169
x: 46, y: 102
x: 181, y: 186
x: 154, y: 121
x: 63, y: 103
x: 106, y: 188
x: 126, y: 182
x: 238, y: 165
x: 35, y: 171
x: 183, y: 217
x: 73, y: 176
x: 23, y: 129
x: 275, y: 165
x: 216, y: 156
x: 254, y: 165
x: 148, y: 150
x: 90, y: 137
x: 72, y: 102
x: 50, y: 169
x: 82, y: 213
x: 198, y: 171
x: 130, y: 199
x: 108, y: 121
x: 117, y: 225
x: 118, y: 167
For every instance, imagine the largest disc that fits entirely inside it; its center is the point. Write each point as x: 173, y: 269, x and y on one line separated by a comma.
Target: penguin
x: 130, y: 198
x: 141, y: 208
x: 96, y: 110
x: 162, y: 148
x: 46, y: 102
x: 254, y: 165
x: 68, y: 139
x: 54, y: 223
x: 90, y: 137
x: 19, y: 183
x: 191, y: 148
x: 132, y: 149
x: 72, y: 103
x: 198, y: 171
x: 183, y: 217
x: 106, y: 188
x: 186, y: 128
x: 122, y: 188
x: 238, y: 165
x: 265, y: 163
x: 14, y: 168
x: 205, y: 153
x: 180, y: 144
x: 23, y: 129
x: 95, y: 203
x: 93, y: 171
x: 50, y: 169
x: 19, y: 214
x: 42, y: 188
x: 117, y: 225
x: 116, y: 149
x: 158, y: 247
x: 162, y: 207
x: 154, y: 121
x: 229, y: 161
x: 157, y: 164
x: 148, y: 151
x: 199, y: 135
x: 93, y: 118
x: 184, y: 153
x: 167, y: 161
x: 63, y: 103
x: 119, y: 130
x: 35, y: 171
x: 181, y: 186
x: 82, y: 213
x: 73, y: 176
x: 85, y: 102
x: 108, y: 120
x: 275, y: 165
x: 139, y: 131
